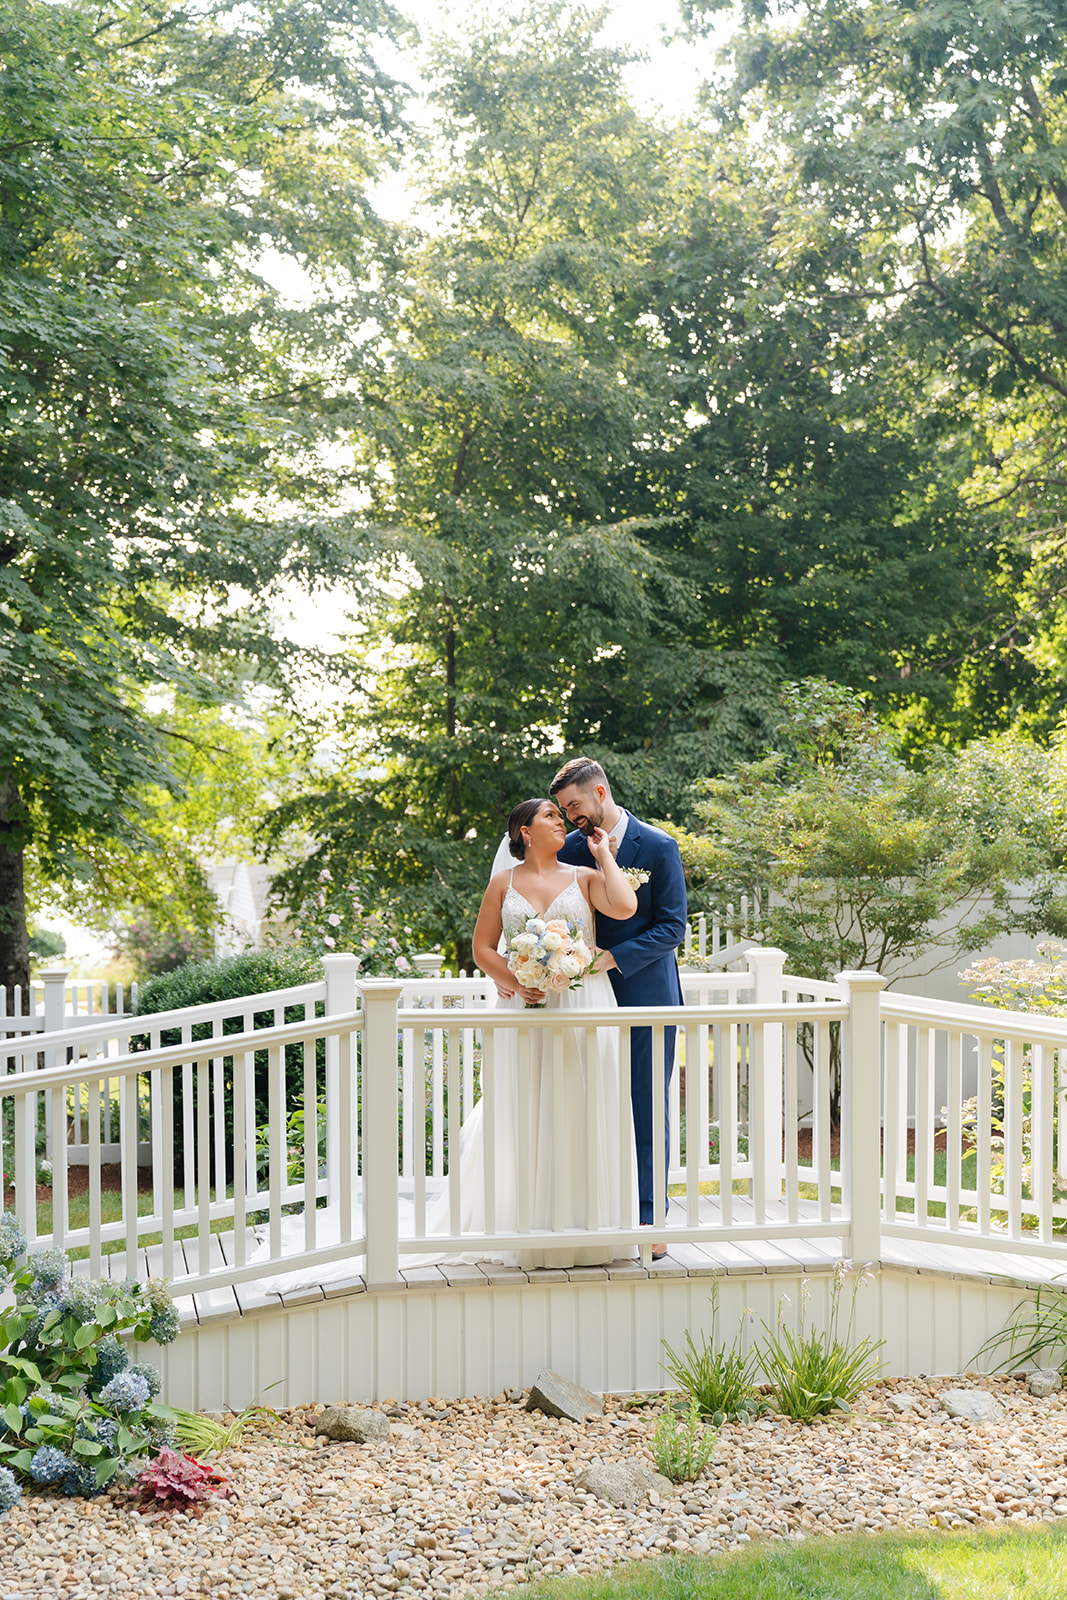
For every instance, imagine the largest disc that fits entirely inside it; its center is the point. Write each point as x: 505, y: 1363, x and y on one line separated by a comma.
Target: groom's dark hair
x: 582, y: 770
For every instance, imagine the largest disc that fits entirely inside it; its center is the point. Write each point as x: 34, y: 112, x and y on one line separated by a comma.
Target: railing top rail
x: 229, y: 1044
x: 633, y: 1016
x: 103, y: 1026
x: 820, y: 987
x: 976, y: 1019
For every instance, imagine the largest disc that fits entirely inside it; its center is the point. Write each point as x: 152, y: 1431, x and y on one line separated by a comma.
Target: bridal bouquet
x: 550, y: 956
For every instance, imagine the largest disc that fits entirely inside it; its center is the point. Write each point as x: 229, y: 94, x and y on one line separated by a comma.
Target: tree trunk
x: 450, y: 682
x: 14, y: 837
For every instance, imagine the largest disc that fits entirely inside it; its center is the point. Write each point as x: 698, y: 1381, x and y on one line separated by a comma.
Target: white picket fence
x: 398, y: 1068
x: 55, y: 1001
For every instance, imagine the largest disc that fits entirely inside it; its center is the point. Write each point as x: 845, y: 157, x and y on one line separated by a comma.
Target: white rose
x: 552, y: 941
x: 535, y: 925
x: 570, y: 966
x: 582, y: 953
x: 524, y: 942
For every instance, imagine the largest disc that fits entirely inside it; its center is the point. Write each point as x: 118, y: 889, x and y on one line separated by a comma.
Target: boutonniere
x: 635, y: 876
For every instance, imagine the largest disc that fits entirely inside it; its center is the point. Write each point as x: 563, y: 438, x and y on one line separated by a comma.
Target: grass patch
x: 111, y: 1211
x: 921, y: 1566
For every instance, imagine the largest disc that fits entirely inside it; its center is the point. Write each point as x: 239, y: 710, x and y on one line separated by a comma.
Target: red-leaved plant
x: 175, y: 1482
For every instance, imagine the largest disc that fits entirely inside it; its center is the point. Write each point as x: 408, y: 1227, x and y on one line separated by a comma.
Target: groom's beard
x: 593, y: 819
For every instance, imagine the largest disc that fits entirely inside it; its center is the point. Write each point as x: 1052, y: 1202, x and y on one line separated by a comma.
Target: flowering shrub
x: 298, y: 1138
x: 1020, y: 985
x: 74, y: 1414
x: 384, y: 944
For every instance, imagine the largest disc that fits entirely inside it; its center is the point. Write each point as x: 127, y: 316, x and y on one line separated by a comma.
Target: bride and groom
x: 636, y: 923
x: 558, y: 1119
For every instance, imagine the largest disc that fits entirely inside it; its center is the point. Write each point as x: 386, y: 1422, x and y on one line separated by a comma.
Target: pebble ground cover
x: 476, y: 1495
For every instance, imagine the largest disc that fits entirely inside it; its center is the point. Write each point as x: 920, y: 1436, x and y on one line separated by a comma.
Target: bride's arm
x: 487, y: 932
x: 608, y: 891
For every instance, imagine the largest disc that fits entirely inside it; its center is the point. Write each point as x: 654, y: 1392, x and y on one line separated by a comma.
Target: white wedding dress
x: 558, y: 1118
x: 565, y: 1114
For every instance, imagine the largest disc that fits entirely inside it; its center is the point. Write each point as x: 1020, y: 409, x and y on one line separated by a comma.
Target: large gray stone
x: 1045, y: 1381
x: 558, y: 1397
x: 622, y: 1483
x: 352, y: 1424
x: 973, y: 1405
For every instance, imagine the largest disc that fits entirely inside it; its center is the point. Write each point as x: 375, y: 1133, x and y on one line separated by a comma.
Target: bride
x: 566, y: 1112
x: 560, y: 1120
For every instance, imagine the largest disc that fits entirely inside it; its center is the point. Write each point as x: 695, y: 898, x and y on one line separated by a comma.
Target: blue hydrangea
x: 111, y: 1359
x: 126, y: 1392
x: 50, y: 1465
x: 82, y: 1480
x: 81, y: 1298
x: 145, y: 1370
x: 95, y: 1426
x: 12, y: 1237
x: 10, y: 1493
x: 49, y: 1268
x: 46, y: 1304
x: 164, y: 1322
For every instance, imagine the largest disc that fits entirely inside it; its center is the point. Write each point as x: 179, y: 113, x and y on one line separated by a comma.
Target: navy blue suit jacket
x: 644, y: 945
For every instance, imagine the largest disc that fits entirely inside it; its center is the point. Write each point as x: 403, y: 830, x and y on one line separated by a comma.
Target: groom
x: 640, y: 959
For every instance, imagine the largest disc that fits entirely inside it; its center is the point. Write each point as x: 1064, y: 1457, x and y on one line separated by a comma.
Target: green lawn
x: 905, y: 1205
x: 111, y: 1211
x: 922, y: 1566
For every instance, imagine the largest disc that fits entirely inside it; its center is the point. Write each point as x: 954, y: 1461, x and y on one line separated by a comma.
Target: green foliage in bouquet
x: 74, y: 1413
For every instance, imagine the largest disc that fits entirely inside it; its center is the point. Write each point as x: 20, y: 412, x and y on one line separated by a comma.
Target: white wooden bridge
x: 176, y: 1099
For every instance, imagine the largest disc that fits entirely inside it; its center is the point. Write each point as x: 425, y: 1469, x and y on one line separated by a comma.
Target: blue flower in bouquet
x: 549, y: 956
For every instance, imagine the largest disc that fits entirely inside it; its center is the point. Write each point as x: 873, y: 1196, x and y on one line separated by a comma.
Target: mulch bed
x: 78, y: 1182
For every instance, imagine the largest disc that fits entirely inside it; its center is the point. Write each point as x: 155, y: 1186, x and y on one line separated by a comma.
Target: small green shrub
x: 203, y: 1436
x: 73, y: 1412
x: 1036, y: 1334
x: 227, y: 978
x: 719, y: 1379
x: 815, y: 1373
x: 233, y: 978
x: 682, y: 1446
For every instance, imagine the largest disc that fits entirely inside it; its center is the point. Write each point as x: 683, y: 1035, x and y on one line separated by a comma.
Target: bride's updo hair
x: 520, y: 818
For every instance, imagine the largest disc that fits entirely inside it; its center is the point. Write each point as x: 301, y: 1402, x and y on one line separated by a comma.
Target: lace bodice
x: 570, y: 904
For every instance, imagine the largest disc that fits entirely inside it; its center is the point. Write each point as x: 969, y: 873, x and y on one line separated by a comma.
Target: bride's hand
x: 599, y: 846
x: 533, y: 997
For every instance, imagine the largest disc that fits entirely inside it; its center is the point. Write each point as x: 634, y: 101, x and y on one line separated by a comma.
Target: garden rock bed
x: 482, y: 1494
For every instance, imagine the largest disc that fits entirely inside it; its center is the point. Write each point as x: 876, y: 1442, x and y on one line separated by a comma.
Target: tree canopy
x: 159, y: 398
x: 634, y: 420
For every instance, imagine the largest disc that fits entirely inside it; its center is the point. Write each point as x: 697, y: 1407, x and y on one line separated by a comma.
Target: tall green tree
x: 808, y: 491
x: 496, y: 403
x: 160, y: 417
x: 933, y: 139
